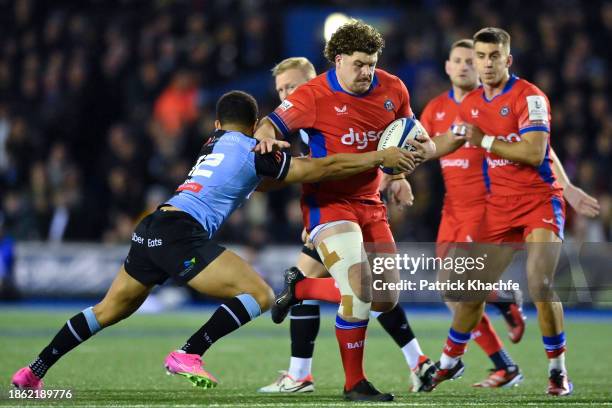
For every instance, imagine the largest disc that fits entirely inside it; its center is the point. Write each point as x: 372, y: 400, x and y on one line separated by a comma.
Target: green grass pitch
x: 122, y: 366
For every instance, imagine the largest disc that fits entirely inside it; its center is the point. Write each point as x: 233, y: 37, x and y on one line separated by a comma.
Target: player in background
x: 525, y: 203
x: 345, y: 110
x: 175, y: 241
x: 464, y: 200
x: 305, y: 317
x: 464, y: 203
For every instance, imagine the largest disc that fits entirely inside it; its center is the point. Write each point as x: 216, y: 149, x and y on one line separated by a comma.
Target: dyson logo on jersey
x: 360, y: 139
x: 462, y: 163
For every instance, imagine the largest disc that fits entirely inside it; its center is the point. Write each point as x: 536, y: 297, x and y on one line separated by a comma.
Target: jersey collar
x: 451, y: 95
x: 332, y: 81
x: 507, y: 87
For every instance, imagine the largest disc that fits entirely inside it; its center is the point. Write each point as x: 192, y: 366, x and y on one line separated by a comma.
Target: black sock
x: 74, y: 332
x: 502, y: 360
x: 395, y: 323
x: 227, y: 318
x: 304, y: 328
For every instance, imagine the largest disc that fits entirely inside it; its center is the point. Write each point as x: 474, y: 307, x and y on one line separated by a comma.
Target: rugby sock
x: 555, y: 350
x: 304, y: 328
x: 485, y: 336
x: 324, y: 289
x: 456, y: 344
x: 395, y: 323
x: 77, y: 329
x: 351, y: 339
x: 299, y: 367
x: 227, y: 318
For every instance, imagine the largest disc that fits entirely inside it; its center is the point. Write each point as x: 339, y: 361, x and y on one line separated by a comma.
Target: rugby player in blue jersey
x: 175, y: 241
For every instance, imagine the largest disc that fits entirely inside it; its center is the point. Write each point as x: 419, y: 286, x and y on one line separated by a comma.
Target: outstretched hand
x: 269, y: 145
x: 580, y: 201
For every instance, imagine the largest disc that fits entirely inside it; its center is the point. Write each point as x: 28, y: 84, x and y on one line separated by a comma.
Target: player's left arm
x: 580, y: 201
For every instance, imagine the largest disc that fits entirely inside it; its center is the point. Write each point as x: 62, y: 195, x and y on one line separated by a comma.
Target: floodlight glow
x: 332, y: 23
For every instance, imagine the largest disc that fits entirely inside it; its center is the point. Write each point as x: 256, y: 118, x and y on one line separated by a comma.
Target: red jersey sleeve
x: 404, y: 110
x: 426, y: 118
x: 298, y: 111
x: 532, y: 110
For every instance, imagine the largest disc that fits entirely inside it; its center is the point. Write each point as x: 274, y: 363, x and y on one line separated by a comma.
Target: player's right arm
x: 342, y: 165
x: 281, y: 166
x: 297, y: 111
x: 445, y: 143
x: 580, y: 201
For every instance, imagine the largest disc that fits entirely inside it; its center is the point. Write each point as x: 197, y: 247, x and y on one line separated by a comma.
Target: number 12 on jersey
x: 207, y: 160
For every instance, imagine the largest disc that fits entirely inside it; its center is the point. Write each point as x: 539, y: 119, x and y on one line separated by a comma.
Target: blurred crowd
x: 104, y: 105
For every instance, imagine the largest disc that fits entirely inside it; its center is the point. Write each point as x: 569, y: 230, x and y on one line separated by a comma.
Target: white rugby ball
x: 398, y: 133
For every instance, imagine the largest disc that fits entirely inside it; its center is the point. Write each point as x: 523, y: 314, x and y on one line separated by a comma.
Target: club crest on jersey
x: 341, y: 111
x: 389, y: 105
x: 504, y: 111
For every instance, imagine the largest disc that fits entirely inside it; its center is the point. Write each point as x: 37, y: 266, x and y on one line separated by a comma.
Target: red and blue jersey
x: 340, y: 122
x: 520, y: 108
x: 463, y: 170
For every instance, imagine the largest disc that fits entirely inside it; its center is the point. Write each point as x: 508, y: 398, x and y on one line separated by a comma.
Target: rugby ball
x: 398, y: 133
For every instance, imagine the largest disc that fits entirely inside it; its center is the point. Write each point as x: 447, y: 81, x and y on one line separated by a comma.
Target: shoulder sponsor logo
x: 286, y: 105
x: 440, y: 115
x: 537, y: 108
x: 474, y: 113
x: 389, y: 105
x: 341, y: 111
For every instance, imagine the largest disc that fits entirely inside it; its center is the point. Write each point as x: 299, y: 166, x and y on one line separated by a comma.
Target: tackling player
x: 345, y: 110
x: 175, y: 241
x: 305, y: 317
x: 510, y: 118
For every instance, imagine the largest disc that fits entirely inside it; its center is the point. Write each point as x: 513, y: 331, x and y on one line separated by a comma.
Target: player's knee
x: 264, y: 296
x: 107, y: 314
x: 469, y: 307
x: 384, y: 306
x: 353, y: 308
